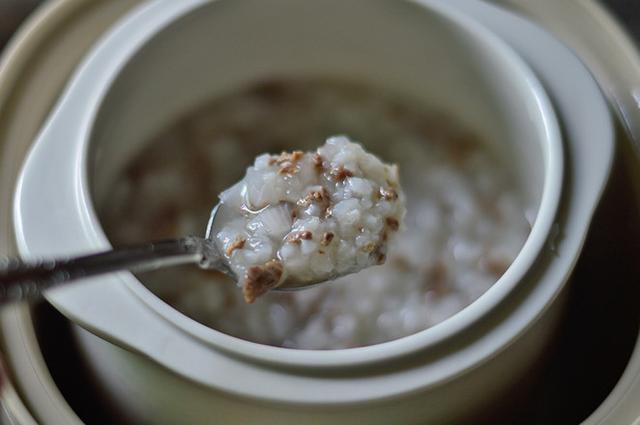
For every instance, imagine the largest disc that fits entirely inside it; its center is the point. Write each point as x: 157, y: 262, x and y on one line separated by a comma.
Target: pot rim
x: 543, y: 226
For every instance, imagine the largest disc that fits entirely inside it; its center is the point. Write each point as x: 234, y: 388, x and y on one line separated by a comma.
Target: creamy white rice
x: 298, y: 218
x: 465, y: 222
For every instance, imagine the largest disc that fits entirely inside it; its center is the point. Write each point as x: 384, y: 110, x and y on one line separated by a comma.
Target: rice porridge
x: 301, y: 218
x: 465, y: 221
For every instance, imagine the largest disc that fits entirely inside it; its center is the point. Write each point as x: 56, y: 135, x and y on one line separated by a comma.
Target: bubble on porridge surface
x: 302, y: 218
x: 455, y: 246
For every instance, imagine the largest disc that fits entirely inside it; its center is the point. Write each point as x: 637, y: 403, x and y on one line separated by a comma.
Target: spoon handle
x: 21, y: 281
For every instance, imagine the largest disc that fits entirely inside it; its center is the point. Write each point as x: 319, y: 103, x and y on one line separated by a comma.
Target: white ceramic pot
x: 166, y: 57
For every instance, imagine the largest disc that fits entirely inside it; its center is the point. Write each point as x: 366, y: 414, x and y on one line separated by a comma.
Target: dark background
x: 584, y: 365
x: 12, y: 12
x: 628, y: 12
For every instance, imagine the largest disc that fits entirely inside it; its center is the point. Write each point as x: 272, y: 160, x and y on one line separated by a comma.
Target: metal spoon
x: 20, y: 281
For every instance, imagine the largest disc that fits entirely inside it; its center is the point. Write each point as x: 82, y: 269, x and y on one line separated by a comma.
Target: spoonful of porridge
x: 295, y: 220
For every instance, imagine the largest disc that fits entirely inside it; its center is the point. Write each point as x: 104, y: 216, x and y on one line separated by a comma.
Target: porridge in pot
x: 465, y: 221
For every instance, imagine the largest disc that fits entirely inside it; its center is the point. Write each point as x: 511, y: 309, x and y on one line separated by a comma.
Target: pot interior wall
x: 399, y: 46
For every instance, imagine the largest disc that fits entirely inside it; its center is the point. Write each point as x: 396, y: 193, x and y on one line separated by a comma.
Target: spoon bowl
x: 213, y: 260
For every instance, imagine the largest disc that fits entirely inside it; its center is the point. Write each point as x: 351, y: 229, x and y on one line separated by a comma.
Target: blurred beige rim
x: 34, y: 68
